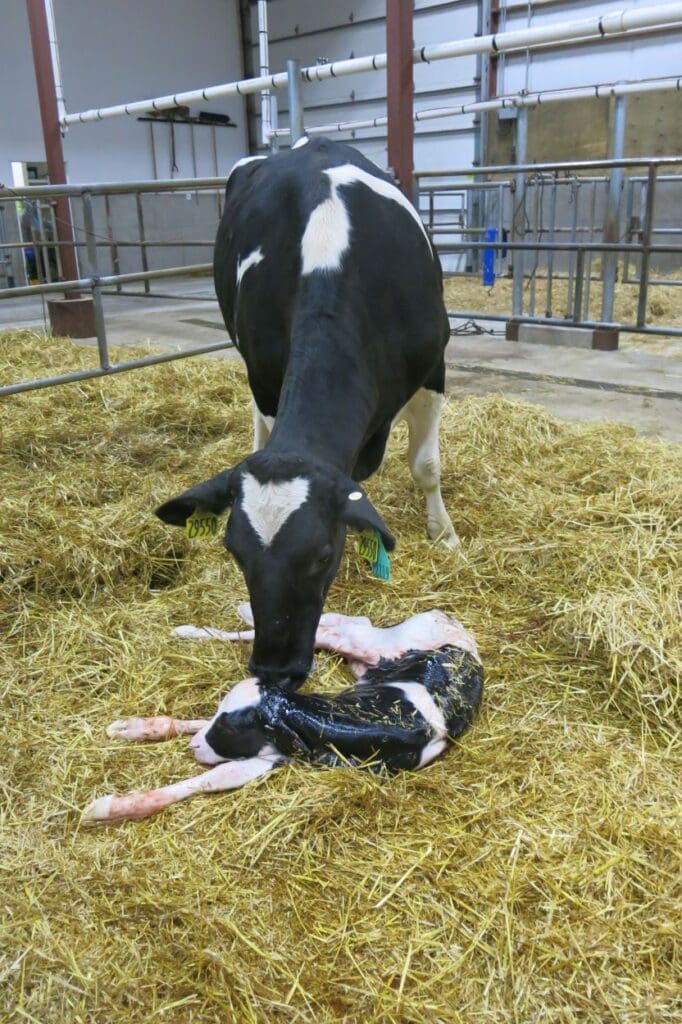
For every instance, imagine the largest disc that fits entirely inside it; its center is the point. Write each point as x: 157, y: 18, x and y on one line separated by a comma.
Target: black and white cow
x: 332, y: 293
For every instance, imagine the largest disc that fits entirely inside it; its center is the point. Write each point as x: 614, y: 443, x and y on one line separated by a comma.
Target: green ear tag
x: 201, y: 525
x: 371, y: 547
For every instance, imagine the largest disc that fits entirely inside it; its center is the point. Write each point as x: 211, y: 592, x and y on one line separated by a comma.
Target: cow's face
x: 286, y: 531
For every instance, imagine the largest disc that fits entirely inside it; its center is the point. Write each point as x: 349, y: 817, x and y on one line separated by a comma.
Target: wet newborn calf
x: 419, y: 685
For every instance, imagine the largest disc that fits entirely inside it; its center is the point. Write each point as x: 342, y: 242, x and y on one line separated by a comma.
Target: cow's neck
x: 325, y: 408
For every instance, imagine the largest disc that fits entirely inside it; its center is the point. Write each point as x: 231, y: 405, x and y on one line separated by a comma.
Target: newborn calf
x: 419, y: 685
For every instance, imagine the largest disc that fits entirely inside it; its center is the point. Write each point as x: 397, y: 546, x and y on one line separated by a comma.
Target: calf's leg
x: 155, y: 729
x: 108, y: 810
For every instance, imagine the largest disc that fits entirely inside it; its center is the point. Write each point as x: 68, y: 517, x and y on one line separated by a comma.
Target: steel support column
x: 296, y: 128
x: 612, y: 218
x: 47, y: 96
x: 399, y: 46
x: 519, y: 208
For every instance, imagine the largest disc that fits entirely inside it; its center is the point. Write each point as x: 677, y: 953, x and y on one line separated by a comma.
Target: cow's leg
x: 231, y: 775
x: 155, y: 729
x: 262, y: 425
x: 422, y: 414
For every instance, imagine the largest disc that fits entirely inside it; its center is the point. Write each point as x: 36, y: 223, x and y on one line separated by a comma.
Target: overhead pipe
x: 602, y: 27
x: 54, y: 50
x: 532, y: 99
x: 264, y: 70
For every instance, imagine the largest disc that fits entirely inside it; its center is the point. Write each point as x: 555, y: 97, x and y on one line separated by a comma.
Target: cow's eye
x: 321, y: 562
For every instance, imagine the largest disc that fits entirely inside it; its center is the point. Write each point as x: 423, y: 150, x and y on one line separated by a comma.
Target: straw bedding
x: 531, y: 874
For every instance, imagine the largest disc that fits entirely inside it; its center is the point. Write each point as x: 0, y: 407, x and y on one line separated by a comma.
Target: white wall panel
x: 308, y: 31
x: 611, y: 60
x: 113, y: 52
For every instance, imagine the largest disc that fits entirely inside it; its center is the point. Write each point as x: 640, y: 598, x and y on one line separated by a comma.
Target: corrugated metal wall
x: 307, y: 31
x: 650, y: 54
x: 311, y: 31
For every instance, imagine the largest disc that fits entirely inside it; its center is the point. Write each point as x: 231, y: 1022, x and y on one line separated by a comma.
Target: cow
x: 332, y: 293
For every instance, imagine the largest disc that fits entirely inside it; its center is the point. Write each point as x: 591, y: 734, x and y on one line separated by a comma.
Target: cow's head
x: 286, y: 530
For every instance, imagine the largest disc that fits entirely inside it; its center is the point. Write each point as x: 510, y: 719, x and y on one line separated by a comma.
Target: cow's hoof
x: 444, y: 534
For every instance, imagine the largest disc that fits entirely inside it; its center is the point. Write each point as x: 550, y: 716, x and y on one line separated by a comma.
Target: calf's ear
x: 214, y: 495
x: 359, y: 513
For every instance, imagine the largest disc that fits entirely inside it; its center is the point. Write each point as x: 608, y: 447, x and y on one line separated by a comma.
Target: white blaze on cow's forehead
x: 249, y: 261
x: 244, y: 160
x: 422, y: 700
x: 268, y: 506
x: 300, y: 142
x: 244, y: 695
x: 355, y: 495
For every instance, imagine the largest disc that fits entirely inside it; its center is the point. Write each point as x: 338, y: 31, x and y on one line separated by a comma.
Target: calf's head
x: 236, y: 730
x: 286, y: 530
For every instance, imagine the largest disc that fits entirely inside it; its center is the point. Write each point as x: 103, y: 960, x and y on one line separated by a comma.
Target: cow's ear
x: 214, y: 495
x: 359, y: 513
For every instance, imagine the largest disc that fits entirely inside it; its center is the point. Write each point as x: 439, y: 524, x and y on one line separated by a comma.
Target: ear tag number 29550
x: 201, y: 525
x: 371, y: 547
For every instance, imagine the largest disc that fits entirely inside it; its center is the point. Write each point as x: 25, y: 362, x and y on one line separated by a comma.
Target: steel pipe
x: 194, y: 270
x: 597, y: 26
x: 503, y: 318
x: 264, y: 70
x: 519, y: 101
x: 134, y: 364
x: 572, y: 167
x: 612, y: 217
x: 296, y: 129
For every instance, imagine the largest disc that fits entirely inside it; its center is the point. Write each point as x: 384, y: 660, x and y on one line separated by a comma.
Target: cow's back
x: 387, y: 285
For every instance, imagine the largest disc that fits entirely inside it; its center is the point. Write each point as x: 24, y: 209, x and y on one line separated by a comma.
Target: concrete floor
x: 634, y: 387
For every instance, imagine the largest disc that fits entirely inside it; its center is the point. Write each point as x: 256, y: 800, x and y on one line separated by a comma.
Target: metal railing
x: 520, y: 227
x: 91, y: 279
x: 580, y: 250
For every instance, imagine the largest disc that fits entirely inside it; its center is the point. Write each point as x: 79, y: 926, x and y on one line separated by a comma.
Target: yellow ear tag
x: 201, y: 525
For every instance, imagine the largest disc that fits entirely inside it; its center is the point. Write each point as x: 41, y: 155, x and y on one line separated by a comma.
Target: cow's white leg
x: 422, y: 414
x: 155, y: 729
x: 231, y: 775
x: 262, y: 425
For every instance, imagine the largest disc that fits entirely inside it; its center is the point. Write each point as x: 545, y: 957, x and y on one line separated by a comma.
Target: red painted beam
x: 47, y: 97
x: 399, y: 46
